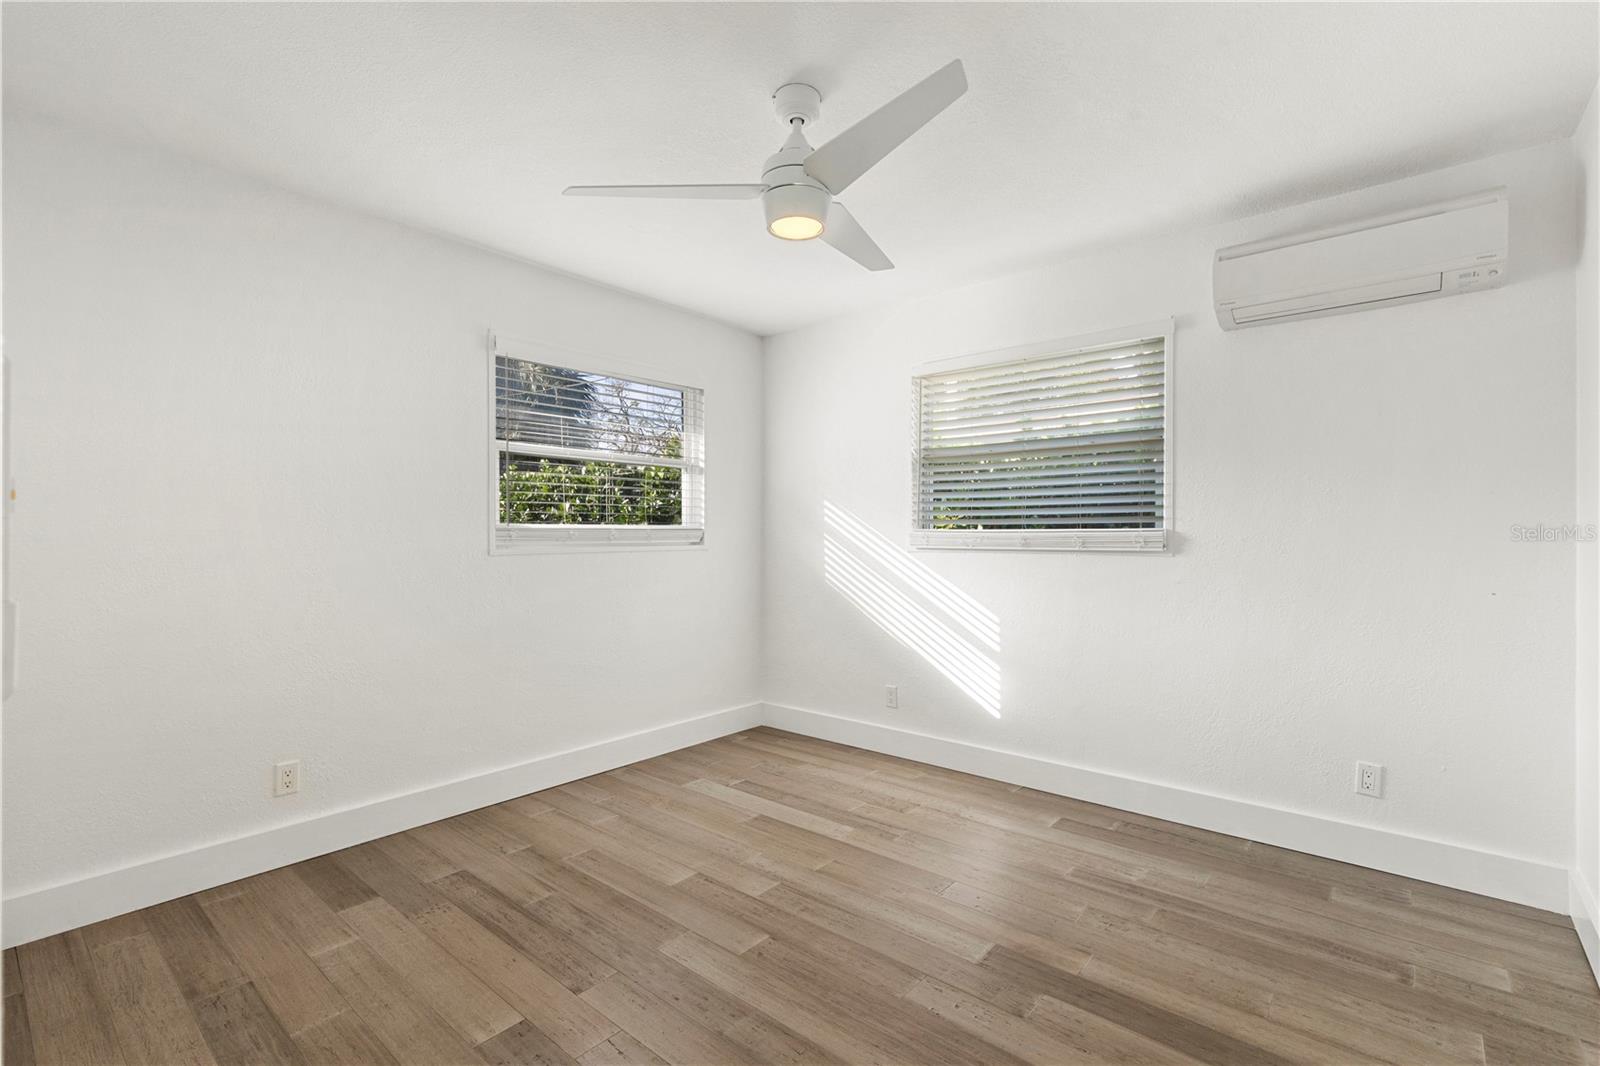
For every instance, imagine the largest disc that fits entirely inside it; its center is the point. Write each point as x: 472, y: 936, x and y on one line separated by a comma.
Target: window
x: 1059, y: 445
x: 586, y: 457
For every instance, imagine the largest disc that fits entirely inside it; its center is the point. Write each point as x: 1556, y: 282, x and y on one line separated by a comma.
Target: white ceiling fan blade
x: 855, y: 151
x: 845, y: 233
x: 671, y: 192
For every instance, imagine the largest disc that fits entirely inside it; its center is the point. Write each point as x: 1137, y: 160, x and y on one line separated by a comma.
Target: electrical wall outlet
x: 891, y: 695
x: 1369, y: 779
x: 286, y: 778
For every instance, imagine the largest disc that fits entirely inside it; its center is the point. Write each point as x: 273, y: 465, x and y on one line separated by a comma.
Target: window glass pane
x: 582, y: 456
x: 549, y: 405
x: 537, y: 491
x: 1065, y: 441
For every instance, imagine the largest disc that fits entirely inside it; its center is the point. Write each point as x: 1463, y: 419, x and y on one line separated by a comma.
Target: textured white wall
x: 1345, y: 584
x: 249, y: 442
x: 1587, y: 704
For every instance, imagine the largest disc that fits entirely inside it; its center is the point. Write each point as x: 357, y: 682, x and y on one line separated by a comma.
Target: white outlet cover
x: 286, y: 778
x: 1369, y: 779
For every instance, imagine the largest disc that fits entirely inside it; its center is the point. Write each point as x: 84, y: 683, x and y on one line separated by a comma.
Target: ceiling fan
x: 799, y: 183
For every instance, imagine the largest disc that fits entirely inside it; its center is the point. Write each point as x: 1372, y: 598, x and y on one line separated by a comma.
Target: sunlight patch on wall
x: 950, y: 630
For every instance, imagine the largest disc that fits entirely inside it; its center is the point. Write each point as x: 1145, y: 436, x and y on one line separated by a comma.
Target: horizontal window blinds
x: 1074, y: 441
x: 575, y: 449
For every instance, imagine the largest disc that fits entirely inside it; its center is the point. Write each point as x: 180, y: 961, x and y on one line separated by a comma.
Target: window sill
x: 1118, y: 540
x: 547, y: 540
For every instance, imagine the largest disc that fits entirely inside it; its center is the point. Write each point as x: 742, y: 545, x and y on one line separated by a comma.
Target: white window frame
x: 1113, y: 540
x: 547, y: 539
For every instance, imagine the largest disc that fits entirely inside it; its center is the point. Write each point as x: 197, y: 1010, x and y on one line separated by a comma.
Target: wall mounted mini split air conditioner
x: 1438, y: 250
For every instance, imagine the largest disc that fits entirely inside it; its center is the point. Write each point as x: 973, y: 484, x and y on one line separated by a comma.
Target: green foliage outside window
x: 553, y: 492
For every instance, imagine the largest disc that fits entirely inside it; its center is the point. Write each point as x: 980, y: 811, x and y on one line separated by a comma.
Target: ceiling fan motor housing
x: 791, y: 191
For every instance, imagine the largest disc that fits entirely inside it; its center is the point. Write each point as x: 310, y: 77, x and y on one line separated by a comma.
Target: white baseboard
x: 75, y: 903
x: 1489, y: 873
x: 66, y: 906
x: 1586, y: 920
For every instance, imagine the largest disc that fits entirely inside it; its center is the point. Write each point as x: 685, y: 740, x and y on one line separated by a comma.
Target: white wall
x: 248, y: 436
x: 249, y: 440
x: 1586, y: 866
x: 1345, y: 584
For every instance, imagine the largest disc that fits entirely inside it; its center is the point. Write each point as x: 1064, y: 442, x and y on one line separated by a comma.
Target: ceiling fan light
x: 795, y: 227
x: 797, y: 210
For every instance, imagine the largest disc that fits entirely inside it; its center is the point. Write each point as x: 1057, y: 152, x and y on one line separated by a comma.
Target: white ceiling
x: 1085, y: 123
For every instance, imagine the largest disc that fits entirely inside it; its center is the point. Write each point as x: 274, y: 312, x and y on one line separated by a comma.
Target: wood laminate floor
x: 771, y: 898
